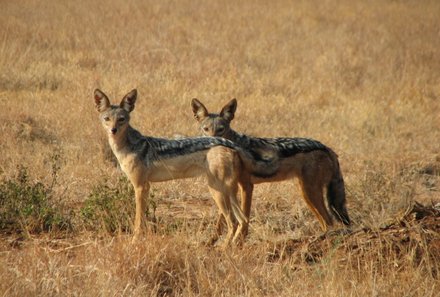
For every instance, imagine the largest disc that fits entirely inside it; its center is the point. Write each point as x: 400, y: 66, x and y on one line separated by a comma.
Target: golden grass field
x: 362, y: 77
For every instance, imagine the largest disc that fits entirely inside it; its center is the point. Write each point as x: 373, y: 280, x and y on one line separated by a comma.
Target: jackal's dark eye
x: 106, y: 119
x: 121, y: 119
x: 206, y: 129
x: 220, y: 129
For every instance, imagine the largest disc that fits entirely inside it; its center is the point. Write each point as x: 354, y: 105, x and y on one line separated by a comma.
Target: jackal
x: 315, y: 165
x: 146, y: 159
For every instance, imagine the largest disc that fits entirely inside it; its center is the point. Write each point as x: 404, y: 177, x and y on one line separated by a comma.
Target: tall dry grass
x: 363, y: 77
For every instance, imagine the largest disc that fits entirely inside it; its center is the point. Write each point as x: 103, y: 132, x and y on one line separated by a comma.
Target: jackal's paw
x: 135, y: 239
x: 137, y: 236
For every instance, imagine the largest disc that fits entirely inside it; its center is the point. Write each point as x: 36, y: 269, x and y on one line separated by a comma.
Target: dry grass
x: 361, y: 76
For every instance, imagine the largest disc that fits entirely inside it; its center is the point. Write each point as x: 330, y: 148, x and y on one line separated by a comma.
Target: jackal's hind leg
x: 243, y: 221
x: 246, y: 189
x: 224, y: 205
x: 218, y: 230
x: 314, y: 197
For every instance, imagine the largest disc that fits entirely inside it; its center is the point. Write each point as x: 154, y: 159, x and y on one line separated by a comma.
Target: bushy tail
x: 336, y: 194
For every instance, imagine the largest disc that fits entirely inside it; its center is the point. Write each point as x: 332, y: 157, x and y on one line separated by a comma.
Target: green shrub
x: 29, y: 207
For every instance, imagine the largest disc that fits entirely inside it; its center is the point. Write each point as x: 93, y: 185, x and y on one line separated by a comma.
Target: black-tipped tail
x: 336, y: 199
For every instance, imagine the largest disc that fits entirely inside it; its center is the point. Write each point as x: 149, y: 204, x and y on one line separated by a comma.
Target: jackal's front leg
x: 141, y: 194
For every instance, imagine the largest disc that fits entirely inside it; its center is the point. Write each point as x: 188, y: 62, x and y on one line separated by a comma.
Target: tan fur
x: 315, y: 170
x: 221, y: 165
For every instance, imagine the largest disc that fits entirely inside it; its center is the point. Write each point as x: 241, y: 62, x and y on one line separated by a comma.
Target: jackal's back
x: 282, y: 147
x: 158, y: 148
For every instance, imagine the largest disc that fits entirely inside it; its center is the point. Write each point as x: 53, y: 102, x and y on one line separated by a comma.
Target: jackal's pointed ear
x: 228, y: 111
x: 129, y: 100
x: 199, y: 110
x: 101, y: 100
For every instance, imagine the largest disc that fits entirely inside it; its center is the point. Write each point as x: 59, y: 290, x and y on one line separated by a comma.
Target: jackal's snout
x: 113, y: 130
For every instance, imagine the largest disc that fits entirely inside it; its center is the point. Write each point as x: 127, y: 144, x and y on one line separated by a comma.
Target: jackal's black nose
x: 114, y: 130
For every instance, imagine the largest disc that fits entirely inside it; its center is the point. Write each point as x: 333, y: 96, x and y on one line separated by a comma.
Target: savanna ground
x: 363, y: 77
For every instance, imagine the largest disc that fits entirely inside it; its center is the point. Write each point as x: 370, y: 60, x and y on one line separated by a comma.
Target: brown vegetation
x: 363, y: 77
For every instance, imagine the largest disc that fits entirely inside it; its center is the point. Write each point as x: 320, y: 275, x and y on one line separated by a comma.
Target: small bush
x: 110, y: 207
x: 29, y: 207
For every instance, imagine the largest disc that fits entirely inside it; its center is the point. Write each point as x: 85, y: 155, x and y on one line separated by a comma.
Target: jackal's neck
x: 124, y: 140
x: 235, y: 137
